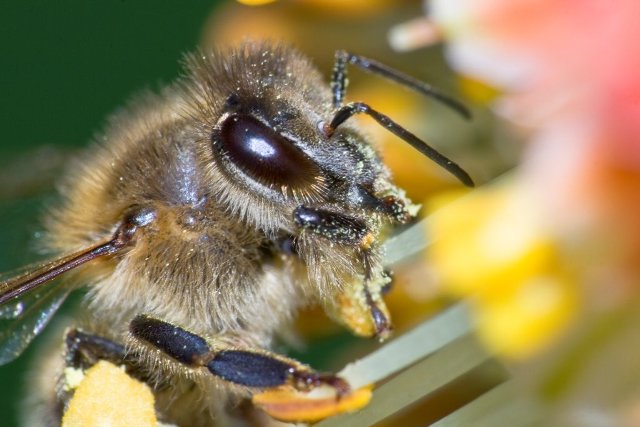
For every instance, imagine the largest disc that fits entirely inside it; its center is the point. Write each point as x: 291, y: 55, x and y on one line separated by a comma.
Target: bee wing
x: 26, y: 305
x: 37, y: 277
x: 24, y: 318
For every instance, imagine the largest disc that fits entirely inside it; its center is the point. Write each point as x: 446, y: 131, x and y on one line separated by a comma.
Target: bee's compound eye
x: 263, y: 154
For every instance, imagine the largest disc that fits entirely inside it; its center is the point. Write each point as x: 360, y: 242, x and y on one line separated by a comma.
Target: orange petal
x: 289, y: 405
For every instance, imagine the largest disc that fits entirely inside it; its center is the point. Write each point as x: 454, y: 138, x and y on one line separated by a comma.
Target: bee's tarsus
x: 381, y: 322
x: 252, y: 368
x: 305, y: 380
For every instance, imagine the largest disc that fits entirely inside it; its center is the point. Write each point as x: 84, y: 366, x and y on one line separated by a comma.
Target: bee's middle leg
x: 84, y: 350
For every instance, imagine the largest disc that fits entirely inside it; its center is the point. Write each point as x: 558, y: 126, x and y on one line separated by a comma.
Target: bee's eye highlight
x: 263, y: 154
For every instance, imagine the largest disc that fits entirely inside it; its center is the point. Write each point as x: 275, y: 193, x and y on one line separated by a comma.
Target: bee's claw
x: 308, y: 380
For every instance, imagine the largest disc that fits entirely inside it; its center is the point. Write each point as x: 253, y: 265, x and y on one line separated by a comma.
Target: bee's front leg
x: 360, y: 306
x: 253, y: 368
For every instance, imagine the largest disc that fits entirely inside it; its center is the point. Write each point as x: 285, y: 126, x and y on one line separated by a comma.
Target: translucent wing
x: 29, y: 300
x: 25, y: 317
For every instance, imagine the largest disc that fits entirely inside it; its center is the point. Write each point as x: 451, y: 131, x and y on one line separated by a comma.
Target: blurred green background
x: 64, y: 66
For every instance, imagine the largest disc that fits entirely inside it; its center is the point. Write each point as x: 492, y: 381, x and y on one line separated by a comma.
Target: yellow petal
x: 107, y: 396
x: 489, y: 238
x: 527, y: 319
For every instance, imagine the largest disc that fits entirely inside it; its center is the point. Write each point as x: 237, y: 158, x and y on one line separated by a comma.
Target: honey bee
x: 206, y: 217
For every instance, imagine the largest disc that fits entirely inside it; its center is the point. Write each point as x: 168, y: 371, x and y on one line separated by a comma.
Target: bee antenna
x: 347, y: 111
x: 339, y: 81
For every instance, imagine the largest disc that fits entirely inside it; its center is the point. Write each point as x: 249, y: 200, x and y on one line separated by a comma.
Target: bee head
x: 262, y: 115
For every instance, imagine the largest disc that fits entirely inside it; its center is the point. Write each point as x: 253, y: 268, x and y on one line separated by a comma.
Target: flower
x: 506, y: 261
x: 567, y: 74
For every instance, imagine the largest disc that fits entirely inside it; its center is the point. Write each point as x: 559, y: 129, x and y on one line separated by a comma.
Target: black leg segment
x: 85, y: 349
x: 185, y: 347
x: 251, y: 368
x: 337, y: 227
